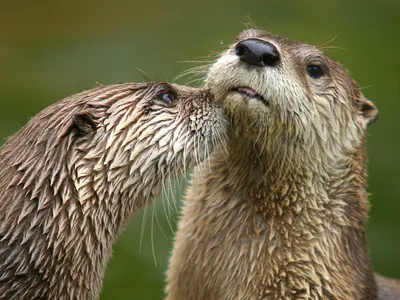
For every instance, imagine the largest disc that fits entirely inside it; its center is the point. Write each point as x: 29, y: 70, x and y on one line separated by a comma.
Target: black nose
x: 257, y: 53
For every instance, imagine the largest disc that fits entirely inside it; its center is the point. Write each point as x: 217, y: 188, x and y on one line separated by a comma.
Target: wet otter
x: 283, y: 215
x: 72, y: 177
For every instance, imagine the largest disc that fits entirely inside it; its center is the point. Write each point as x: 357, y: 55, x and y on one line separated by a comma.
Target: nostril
x: 240, y: 50
x: 271, y: 59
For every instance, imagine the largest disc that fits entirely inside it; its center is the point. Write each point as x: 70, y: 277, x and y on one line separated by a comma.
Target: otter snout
x: 258, y: 53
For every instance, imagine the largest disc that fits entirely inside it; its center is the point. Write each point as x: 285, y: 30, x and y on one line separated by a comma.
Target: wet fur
x: 282, y: 216
x: 72, y: 177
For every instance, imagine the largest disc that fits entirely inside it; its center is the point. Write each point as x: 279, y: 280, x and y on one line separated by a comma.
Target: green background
x: 49, y: 50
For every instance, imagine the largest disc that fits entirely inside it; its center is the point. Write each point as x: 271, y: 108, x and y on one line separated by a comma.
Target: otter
x: 283, y: 215
x: 71, y: 178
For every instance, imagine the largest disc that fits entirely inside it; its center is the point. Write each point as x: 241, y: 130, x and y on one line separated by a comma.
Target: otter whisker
x: 195, y: 82
x: 364, y: 87
x: 205, y: 63
x: 172, y: 194
x: 283, y: 161
x: 195, y: 76
x: 178, y: 184
x: 249, y: 23
x: 159, y: 225
x: 142, y: 227
x: 260, y: 132
x: 182, y: 171
x: 152, y: 235
x: 166, y: 211
x: 145, y: 75
x: 184, y: 154
x: 199, y: 75
x: 207, y: 155
x: 222, y: 139
x: 330, y: 40
x: 272, y: 164
x: 174, y: 188
x: 333, y: 47
x: 193, y: 72
x: 196, y: 154
x: 264, y: 143
x: 169, y: 206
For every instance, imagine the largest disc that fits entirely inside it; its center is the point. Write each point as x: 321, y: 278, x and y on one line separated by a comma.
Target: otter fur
x: 72, y: 177
x: 283, y: 215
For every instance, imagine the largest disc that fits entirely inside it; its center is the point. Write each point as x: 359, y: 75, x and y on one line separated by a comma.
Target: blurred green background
x: 51, y: 49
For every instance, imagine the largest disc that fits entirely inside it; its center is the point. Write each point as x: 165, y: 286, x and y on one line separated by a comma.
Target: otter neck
x: 284, y: 181
x: 104, y: 210
x: 311, y: 214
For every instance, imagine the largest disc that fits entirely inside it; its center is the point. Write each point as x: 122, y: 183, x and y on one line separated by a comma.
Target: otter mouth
x: 248, y: 93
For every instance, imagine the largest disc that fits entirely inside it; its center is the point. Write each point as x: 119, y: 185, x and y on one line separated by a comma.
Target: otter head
x: 72, y: 177
x: 130, y: 142
x: 280, y: 92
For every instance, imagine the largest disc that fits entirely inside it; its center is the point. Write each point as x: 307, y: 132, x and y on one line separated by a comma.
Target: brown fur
x: 72, y: 177
x: 282, y: 215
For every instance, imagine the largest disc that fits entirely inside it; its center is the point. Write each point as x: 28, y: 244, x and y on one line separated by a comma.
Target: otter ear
x: 368, y: 110
x: 83, y: 122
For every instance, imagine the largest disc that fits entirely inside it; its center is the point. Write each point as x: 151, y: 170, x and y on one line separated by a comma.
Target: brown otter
x: 283, y: 215
x: 71, y: 178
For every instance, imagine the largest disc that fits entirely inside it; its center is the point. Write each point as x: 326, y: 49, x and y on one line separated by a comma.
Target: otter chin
x: 282, y: 215
x: 72, y: 177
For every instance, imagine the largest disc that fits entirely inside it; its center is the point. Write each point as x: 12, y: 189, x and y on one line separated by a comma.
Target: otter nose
x: 257, y: 53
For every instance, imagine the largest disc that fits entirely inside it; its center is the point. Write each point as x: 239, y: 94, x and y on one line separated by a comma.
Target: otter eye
x: 315, y: 71
x: 169, y: 97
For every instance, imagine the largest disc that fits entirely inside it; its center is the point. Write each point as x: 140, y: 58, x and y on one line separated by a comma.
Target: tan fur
x: 282, y: 216
x: 72, y: 177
